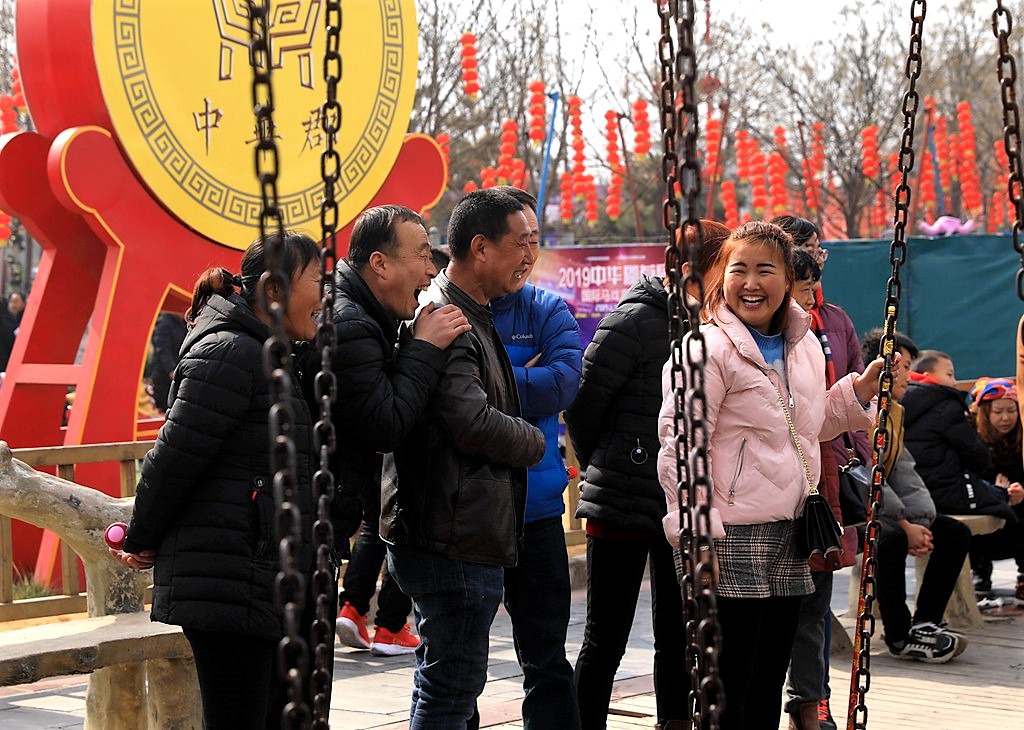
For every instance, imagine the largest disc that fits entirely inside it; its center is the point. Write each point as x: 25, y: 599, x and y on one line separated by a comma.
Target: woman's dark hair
x: 297, y: 251
x: 760, y: 232
x: 804, y: 266
x: 713, y: 234
x: 1005, y: 448
x: 800, y: 229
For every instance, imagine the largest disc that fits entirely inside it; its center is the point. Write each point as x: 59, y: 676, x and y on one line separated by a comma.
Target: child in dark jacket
x: 949, y: 454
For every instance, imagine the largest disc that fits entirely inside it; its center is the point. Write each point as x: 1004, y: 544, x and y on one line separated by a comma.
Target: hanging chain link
x: 1002, y: 26
x: 679, y: 123
x: 860, y: 674
x: 325, y: 383
x: 290, y: 583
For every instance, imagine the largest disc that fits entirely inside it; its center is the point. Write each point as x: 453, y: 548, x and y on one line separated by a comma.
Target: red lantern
x: 565, y: 207
x: 758, y: 179
x: 871, y: 164
x: 509, y: 142
x: 777, y: 183
x: 641, y: 129
x: 444, y: 142
x: 469, y: 187
x: 579, y: 157
x: 732, y: 210
x: 538, y: 112
x: 712, y: 144
x: 469, y: 74
x: 488, y: 177
x: 518, y: 173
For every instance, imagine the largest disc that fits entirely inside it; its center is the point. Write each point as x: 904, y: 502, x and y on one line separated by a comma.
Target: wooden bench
x: 962, y: 609
x: 164, y: 694
x: 84, y: 645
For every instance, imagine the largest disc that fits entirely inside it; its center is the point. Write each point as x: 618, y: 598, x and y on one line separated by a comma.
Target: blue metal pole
x: 541, y: 201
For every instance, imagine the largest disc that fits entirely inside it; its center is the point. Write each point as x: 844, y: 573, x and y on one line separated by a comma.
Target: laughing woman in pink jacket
x: 764, y: 369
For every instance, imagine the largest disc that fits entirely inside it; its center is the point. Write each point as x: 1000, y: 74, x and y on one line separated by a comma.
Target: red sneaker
x: 351, y: 628
x: 387, y: 643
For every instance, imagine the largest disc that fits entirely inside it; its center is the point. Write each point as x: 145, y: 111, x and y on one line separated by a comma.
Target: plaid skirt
x: 761, y: 561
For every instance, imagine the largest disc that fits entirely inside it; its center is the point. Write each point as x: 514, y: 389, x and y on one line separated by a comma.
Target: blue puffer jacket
x: 535, y: 321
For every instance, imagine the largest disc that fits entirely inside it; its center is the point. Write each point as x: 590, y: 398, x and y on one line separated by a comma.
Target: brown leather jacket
x: 457, y: 484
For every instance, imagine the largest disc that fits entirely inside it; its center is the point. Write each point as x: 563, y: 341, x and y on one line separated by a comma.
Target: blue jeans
x: 537, y: 598
x: 454, y: 603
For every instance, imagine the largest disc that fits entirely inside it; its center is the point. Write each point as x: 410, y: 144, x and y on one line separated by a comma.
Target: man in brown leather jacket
x: 454, y: 493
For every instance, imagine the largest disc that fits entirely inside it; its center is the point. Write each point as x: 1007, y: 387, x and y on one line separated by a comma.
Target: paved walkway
x: 372, y: 693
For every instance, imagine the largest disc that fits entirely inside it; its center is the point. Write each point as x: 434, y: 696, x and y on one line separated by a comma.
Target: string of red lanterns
x: 538, y: 113
x: 470, y: 79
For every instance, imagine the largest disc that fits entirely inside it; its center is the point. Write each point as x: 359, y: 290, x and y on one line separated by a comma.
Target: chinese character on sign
x: 313, y: 127
x: 206, y: 120
x: 257, y: 131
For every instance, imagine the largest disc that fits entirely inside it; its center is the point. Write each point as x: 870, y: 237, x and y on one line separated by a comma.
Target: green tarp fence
x: 958, y: 295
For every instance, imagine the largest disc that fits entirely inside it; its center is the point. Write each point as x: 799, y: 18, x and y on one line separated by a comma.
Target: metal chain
x: 325, y: 383
x: 680, y: 129
x: 1011, y: 129
x: 290, y: 584
x: 860, y: 674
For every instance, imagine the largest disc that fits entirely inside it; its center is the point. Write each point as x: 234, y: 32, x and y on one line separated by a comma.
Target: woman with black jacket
x: 613, y: 424
x: 204, y: 508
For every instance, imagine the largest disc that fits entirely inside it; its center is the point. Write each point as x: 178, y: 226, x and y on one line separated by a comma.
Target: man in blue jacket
x: 542, y: 339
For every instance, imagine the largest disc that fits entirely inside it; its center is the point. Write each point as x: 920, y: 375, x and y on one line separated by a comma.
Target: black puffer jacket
x: 948, y: 452
x: 381, y: 392
x: 614, y: 420
x: 205, y: 500
x: 457, y: 485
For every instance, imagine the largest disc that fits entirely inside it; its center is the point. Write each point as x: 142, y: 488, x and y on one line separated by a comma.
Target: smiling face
x: 901, y: 374
x: 303, y: 303
x: 531, y: 219
x: 754, y: 285
x: 509, y: 259
x: 406, y: 271
x: 803, y: 293
x: 1002, y: 415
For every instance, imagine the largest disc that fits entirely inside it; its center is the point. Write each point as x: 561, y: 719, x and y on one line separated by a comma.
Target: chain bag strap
x: 819, y: 531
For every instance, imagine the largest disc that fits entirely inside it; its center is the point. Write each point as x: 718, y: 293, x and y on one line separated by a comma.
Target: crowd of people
x: 450, y: 379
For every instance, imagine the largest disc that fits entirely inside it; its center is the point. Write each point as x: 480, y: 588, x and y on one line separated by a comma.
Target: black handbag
x: 854, y: 488
x: 818, y: 530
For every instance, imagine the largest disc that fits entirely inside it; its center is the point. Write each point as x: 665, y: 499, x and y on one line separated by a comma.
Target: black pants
x: 615, y: 571
x: 950, y: 540
x: 1006, y: 542
x: 235, y: 678
x: 757, y: 640
x: 364, y: 567
x: 538, y: 594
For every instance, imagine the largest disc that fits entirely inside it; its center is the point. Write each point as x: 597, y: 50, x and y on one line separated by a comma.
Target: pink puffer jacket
x: 756, y: 471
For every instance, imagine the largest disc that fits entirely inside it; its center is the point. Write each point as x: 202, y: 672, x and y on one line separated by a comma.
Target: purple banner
x: 593, y: 279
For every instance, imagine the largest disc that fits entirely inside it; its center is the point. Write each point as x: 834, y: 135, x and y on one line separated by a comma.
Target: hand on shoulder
x: 440, y: 326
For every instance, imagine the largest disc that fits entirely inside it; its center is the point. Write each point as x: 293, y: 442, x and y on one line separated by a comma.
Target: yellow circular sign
x: 176, y: 81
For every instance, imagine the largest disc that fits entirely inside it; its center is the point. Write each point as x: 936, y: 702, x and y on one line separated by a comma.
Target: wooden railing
x: 65, y: 459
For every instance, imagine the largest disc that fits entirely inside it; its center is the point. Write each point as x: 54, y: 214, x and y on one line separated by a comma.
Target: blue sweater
x: 535, y: 321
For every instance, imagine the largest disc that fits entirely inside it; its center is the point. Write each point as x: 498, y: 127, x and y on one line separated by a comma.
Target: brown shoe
x: 805, y: 718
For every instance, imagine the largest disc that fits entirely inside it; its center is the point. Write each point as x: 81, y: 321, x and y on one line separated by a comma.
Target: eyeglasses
x: 820, y: 254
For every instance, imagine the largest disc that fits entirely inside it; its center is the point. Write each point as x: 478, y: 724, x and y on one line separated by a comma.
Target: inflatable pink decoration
x: 947, y: 225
